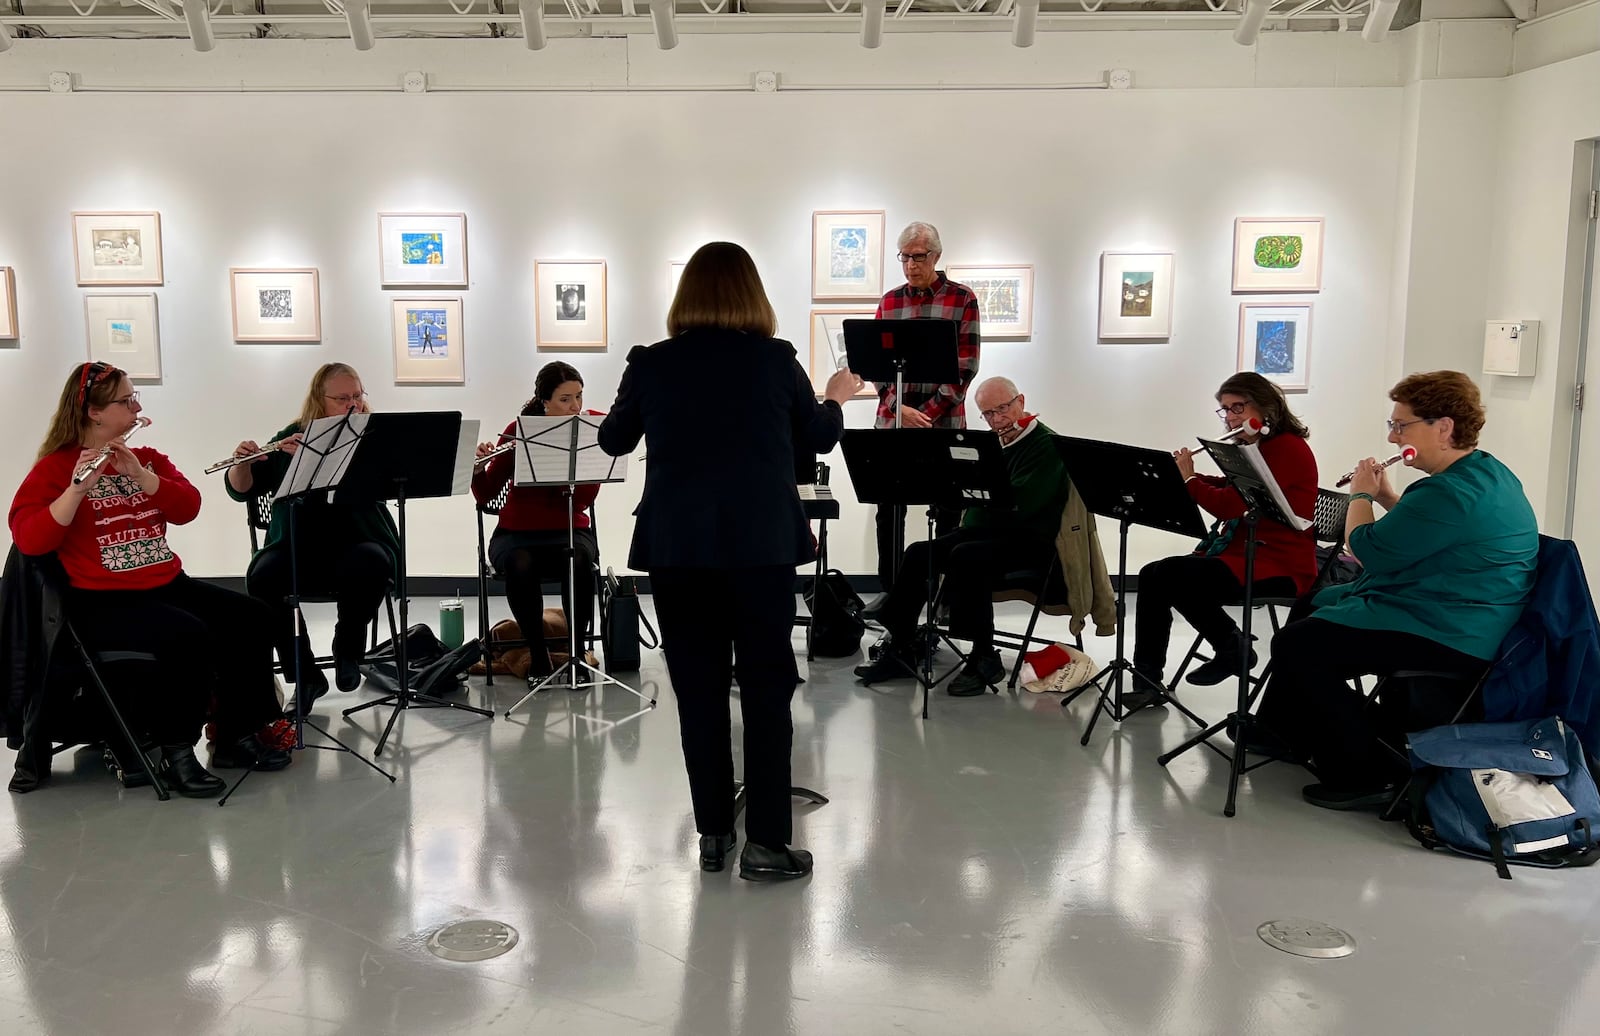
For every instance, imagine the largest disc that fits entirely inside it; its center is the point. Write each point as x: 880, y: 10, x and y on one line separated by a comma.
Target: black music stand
x: 925, y: 350
x: 939, y: 467
x: 1247, y: 472
x: 1136, y: 486
x: 312, y: 472
x: 564, y: 453
x: 404, y: 457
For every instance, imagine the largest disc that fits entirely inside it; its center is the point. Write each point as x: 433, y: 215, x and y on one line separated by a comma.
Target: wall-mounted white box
x: 1511, y: 348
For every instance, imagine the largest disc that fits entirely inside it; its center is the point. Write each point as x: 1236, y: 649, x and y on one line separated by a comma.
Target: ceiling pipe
x: 661, y: 15
x: 1027, y: 21
x: 1379, y: 19
x: 198, y: 15
x: 532, y: 12
x: 358, y: 15
x: 1249, y: 27
x: 872, y: 14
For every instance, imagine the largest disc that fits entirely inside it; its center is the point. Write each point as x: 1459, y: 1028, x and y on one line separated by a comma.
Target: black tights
x: 526, y: 560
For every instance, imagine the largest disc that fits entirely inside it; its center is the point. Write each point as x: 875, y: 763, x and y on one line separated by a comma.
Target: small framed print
x: 827, y: 347
x: 1275, y: 342
x: 117, y: 249
x: 429, y: 344
x: 674, y: 275
x: 570, y: 304
x: 1005, y: 298
x: 1277, y: 254
x: 846, y: 255
x: 1135, y: 295
x: 275, y: 305
x: 423, y: 249
x: 123, y: 330
x: 8, y: 304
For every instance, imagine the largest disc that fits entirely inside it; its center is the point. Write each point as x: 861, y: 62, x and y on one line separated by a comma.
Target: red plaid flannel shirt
x: 944, y: 405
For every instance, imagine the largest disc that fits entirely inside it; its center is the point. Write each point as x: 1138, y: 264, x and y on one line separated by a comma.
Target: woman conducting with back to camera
x: 347, y: 551
x: 720, y: 529
x: 1199, y: 585
x: 127, y: 590
x: 530, y: 538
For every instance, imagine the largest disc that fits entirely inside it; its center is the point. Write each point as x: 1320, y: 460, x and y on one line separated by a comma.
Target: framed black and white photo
x: 117, y: 249
x: 570, y: 304
x: 276, y: 305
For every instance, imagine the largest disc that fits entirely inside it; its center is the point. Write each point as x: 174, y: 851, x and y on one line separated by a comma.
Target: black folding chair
x: 1043, y: 588
x: 487, y: 575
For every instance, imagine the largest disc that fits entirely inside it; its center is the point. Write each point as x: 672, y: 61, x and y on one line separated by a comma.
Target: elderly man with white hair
x: 929, y: 294
x: 989, y: 543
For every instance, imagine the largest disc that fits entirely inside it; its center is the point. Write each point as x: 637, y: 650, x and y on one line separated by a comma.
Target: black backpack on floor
x: 836, y: 622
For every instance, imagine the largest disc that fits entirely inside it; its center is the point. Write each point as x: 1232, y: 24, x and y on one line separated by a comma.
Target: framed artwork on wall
x: 275, y: 305
x: 570, y: 304
x: 1005, y: 298
x: 117, y: 249
x: 846, y: 255
x: 827, y: 347
x: 674, y: 275
x: 1277, y: 254
x: 123, y: 330
x: 8, y: 304
x: 1135, y: 295
x: 1275, y: 342
x: 423, y: 249
x: 429, y: 345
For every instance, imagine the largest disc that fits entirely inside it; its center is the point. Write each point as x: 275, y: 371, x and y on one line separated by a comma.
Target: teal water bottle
x: 452, y: 628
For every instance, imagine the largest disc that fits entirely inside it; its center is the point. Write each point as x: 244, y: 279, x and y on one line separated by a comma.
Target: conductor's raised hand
x: 842, y: 384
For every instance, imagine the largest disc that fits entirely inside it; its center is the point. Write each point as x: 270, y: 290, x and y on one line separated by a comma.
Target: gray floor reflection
x: 978, y: 872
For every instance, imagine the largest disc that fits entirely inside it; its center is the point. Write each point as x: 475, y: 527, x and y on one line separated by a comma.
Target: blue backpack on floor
x: 1517, y: 792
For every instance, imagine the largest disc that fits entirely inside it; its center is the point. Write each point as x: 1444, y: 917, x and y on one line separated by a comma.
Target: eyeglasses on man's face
x: 1400, y: 426
x: 1232, y: 408
x: 348, y: 400
x: 994, y: 412
x: 917, y: 258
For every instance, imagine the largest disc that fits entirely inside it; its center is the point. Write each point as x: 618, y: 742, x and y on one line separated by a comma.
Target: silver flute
x: 1406, y: 454
x: 267, y: 450
x: 87, y: 469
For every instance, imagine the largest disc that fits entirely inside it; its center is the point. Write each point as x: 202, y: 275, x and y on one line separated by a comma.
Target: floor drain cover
x: 472, y: 940
x: 1307, y: 938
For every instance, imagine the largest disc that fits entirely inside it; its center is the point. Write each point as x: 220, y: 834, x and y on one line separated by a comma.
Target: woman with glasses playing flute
x: 529, y: 543
x: 102, y: 508
x: 1198, y: 585
x: 346, y: 551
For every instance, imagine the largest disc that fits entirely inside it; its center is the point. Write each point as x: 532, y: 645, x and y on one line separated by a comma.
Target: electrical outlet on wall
x: 61, y: 82
x: 415, y: 83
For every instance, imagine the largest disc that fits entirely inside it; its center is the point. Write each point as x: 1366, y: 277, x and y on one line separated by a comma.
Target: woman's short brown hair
x: 1449, y: 394
x: 721, y: 288
x: 1269, y: 399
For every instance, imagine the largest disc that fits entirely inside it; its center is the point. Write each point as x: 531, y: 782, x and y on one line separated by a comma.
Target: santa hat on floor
x: 1055, y: 668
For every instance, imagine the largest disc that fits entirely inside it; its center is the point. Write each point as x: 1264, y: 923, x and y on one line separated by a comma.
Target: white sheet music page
x: 466, y: 456
x: 335, y: 437
x: 556, y: 451
x: 1252, y: 453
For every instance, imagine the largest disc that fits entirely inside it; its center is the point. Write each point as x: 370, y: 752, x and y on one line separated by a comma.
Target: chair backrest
x: 1330, y: 515
x: 258, y: 517
x: 823, y: 473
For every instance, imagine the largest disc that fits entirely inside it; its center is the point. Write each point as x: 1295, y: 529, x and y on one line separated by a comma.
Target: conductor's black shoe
x: 248, y: 753
x: 1347, y: 798
x: 980, y: 673
x: 1224, y: 667
x: 893, y: 663
x: 714, y: 850
x: 1142, y: 697
x: 758, y: 863
x: 184, y: 774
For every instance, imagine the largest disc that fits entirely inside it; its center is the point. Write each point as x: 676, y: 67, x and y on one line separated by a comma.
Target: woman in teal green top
x: 345, y: 551
x: 1444, y: 576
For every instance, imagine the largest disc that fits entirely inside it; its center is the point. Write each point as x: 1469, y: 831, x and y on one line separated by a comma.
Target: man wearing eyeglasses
x: 926, y: 294
x: 988, y: 544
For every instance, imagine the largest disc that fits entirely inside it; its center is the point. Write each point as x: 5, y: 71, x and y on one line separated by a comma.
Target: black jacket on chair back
x: 723, y: 415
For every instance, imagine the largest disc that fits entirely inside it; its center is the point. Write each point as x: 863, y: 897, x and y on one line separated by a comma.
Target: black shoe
x: 1224, y: 667
x: 316, y: 685
x: 1347, y: 798
x: 758, y: 863
x: 892, y: 663
x: 347, y: 672
x: 184, y: 774
x: 981, y: 672
x: 714, y: 850
x: 248, y: 753
x: 349, y: 651
x: 874, y: 609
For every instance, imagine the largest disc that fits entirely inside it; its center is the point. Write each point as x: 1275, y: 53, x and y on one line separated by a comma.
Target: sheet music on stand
x: 561, y: 451
x: 1247, y: 470
x: 325, y: 452
x: 466, y: 457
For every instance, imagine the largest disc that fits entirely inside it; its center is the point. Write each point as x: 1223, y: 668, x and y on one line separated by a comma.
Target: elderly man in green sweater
x: 988, y: 544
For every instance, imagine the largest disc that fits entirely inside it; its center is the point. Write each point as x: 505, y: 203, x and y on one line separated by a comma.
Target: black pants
x: 1197, y: 588
x: 1309, y: 703
x: 355, y: 575
x: 970, y: 561
x: 211, y: 646
x: 527, y: 560
x: 715, y: 623
x: 893, y: 519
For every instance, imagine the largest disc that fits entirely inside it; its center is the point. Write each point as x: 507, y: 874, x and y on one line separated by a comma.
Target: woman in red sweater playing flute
x: 530, y: 542
x: 1198, y: 585
x: 127, y: 590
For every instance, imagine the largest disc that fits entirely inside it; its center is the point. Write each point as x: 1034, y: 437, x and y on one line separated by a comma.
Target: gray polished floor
x: 977, y: 872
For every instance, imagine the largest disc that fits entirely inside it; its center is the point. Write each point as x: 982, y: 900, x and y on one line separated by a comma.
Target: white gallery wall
x: 642, y: 176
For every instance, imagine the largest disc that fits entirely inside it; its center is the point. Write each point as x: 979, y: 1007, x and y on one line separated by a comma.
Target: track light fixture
x: 1027, y: 21
x: 661, y: 15
x: 198, y: 14
x: 533, y: 24
x: 1250, y: 19
x: 358, y: 15
x: 1379, y: 18
x: 872, y: 15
